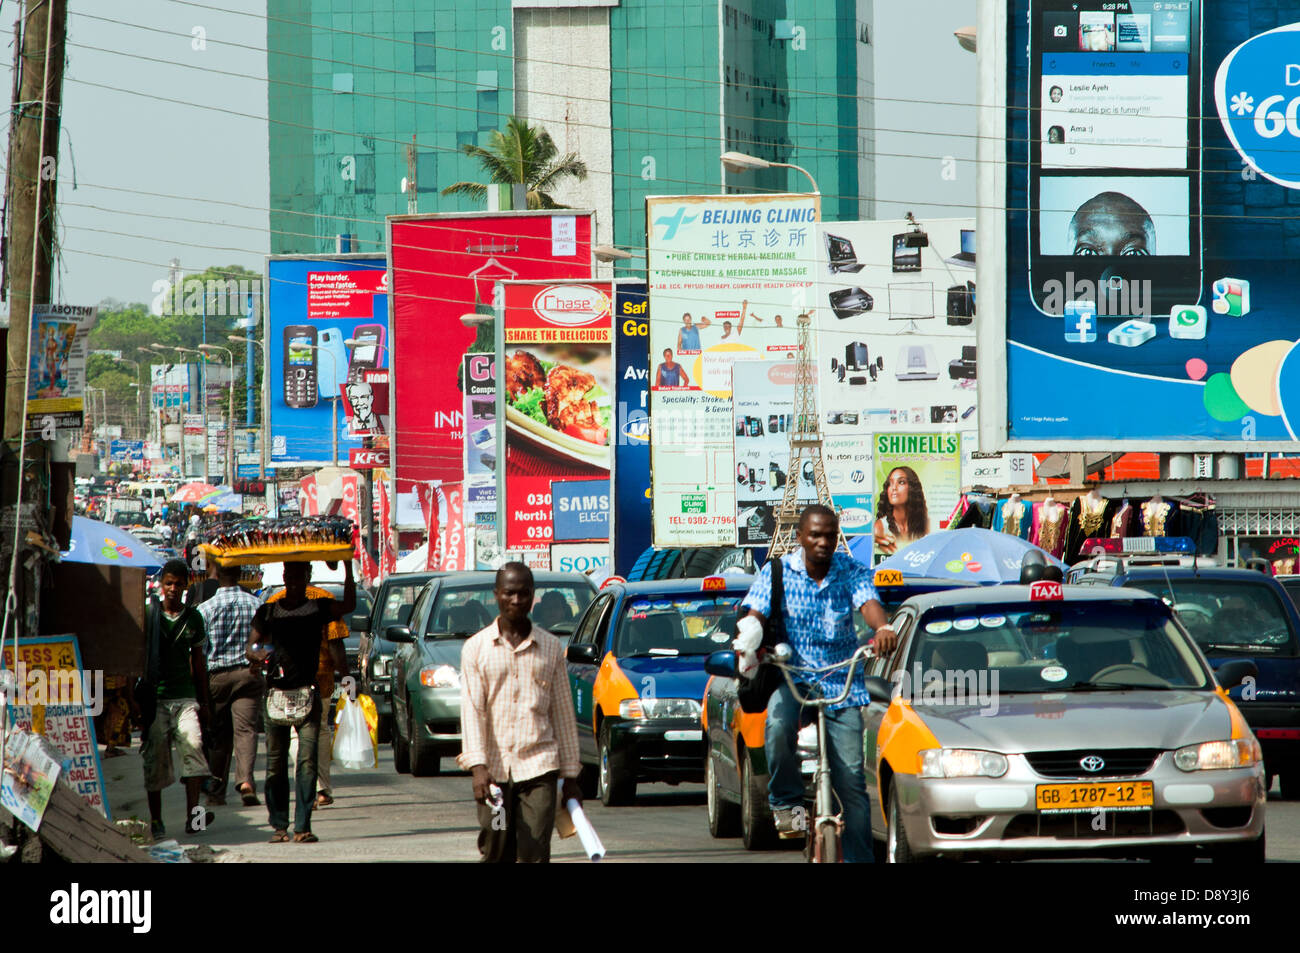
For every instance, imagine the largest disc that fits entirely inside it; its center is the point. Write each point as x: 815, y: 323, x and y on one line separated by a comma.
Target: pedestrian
x: 174, y: 701
x: 519, y: 733
x: 287, y: 635
x: 206, y: 587
x: 820, y: 590
x: 332, y: 660
x: 234, y: 687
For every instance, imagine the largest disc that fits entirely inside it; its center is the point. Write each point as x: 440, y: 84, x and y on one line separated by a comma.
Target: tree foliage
x: 522, y: 155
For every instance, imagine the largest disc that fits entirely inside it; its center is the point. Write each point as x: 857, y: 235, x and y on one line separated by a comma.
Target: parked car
x: 1067, y: 721
x: 1236, y: 614
x: 426, y: 667
x: 736, y: 765
x: 636, y: 668
x: 393, y: 601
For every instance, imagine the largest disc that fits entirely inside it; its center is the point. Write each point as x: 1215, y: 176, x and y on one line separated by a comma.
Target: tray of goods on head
x: 298, y: 539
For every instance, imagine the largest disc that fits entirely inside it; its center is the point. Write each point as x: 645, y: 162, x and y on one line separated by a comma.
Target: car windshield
x: 1228, y: 616
x: 676, y: 624
x: 1079, y: 646
x: 462, y: 611
x: 399, y: 599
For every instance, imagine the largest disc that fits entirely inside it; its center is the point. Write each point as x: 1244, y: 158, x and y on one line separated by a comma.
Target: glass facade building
x: 647, y: 92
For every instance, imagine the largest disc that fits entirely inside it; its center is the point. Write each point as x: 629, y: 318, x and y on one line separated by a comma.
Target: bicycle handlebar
x: 782, y: 652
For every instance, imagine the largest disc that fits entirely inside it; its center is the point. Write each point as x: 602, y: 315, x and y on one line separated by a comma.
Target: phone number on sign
x: 700, y: 520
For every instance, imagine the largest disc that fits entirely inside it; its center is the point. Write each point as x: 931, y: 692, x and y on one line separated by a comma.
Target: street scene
x: 653, y: 432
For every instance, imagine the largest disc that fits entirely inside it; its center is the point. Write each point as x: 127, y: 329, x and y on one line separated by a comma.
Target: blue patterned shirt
x: 819, y: 616
x: 228, y: 619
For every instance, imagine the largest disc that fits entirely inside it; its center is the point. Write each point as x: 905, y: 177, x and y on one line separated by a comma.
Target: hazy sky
x: 136, y: 156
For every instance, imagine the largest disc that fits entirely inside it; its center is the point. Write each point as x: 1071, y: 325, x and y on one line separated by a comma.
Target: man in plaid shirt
x: 519, y: 733
x: 234, y: 687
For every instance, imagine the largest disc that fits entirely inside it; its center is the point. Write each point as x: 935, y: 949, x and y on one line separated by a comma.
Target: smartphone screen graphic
x: 300, y: 366
x: 1114, y: 162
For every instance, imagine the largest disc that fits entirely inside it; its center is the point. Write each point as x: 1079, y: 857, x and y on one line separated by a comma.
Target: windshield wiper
x: 1238, y: 647
x: 1114, y: 687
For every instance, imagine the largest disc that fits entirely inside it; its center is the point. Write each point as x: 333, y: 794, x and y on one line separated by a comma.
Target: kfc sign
x: 360, y: 458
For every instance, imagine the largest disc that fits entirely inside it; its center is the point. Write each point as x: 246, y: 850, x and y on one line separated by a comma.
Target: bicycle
x: 824, y: 842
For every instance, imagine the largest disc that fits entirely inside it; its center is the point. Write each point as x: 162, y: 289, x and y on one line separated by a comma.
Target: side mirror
x: 582, y: 654
x: 722, y: 664
x: 1232, y: 673
x: 879, y: 689
x: 398, y: 633
x: 358, y: 622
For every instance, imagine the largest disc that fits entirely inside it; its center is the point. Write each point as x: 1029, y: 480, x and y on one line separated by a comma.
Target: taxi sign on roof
x: 713, y: 584
x: 1045, y: 590
x: 612, y: 580
x: 888, y: 577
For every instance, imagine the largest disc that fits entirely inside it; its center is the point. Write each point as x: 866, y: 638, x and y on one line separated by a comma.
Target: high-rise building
x: 648, y: 93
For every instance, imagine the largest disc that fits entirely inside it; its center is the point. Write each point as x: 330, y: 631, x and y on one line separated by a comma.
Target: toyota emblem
x: 1092, y: 763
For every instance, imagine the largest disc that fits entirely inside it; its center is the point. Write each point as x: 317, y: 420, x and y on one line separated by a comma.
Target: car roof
x: 735, y: 583
x: 988, y: 595
x: 1188, y: 572
x: 455, y: 580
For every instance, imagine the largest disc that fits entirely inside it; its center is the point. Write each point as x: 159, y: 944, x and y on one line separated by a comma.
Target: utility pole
x: 412, y: 182
x: 33, y: 156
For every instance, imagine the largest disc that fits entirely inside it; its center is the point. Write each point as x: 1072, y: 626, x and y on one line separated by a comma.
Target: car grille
x: 1120, y: 762
x: 1080, y: 826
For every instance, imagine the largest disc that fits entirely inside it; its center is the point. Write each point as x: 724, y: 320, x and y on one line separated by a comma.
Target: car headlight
x: 659, y: 708
x: 962, y: 763
x: 1239, y: 753
x: 439, y: 676
x: 380, y: 667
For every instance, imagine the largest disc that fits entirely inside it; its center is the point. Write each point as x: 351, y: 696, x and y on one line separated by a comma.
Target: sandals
x: 324, y: 800
x: 280, y: 837
x: 248, y: 794
x: 305, y: 837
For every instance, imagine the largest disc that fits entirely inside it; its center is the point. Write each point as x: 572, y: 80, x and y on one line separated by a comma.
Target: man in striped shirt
x: 234, y: 688
x: 519, y: 732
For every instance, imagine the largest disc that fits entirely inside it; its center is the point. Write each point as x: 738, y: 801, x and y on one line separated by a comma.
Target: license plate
x: 684, y: 735
x: 1079, y: 798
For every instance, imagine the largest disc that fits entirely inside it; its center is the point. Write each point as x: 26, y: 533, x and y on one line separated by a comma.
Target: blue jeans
x: 785, y: 787
x: 277, y: 772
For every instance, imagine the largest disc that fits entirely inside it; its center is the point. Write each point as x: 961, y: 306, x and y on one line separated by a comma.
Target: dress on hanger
x: 1013, y: 518
x: 1088, y: 519
x: 1159, y: 519
x: 1121, y: 524
x: 1049, y: 527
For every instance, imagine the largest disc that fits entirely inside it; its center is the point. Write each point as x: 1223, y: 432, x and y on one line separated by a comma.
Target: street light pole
x: 334, y: 402
x: 266, y: 399
x: 230, y: 420
x: 742, y: 162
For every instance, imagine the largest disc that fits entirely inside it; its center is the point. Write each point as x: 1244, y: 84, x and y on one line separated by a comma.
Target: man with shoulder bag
x: 286, y: 636
x: 808, y: 601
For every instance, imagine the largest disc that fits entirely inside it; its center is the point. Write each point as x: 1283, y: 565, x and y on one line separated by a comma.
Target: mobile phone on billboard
x: 333, y: 362
x: 1114, y: 155
x: 300, y: 378
x: 366, y: 352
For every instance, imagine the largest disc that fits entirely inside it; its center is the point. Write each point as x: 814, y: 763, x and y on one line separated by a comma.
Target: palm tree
x: 522, y: 155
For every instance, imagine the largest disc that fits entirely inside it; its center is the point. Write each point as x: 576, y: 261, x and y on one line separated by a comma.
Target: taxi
x: 735, y: 770
x: 636, y: 670
x: 1059, y: 720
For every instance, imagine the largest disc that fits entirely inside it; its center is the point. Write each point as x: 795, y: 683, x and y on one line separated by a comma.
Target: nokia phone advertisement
x: 1153, y: 163
x: 327, y: 329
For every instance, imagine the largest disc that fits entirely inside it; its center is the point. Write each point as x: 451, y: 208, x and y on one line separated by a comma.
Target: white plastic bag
x: 353, y: 747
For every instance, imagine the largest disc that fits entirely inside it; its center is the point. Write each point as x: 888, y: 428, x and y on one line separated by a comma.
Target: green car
x: 426, y: 665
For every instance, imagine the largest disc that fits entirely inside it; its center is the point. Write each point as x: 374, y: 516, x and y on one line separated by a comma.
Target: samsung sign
x: 581, y: 509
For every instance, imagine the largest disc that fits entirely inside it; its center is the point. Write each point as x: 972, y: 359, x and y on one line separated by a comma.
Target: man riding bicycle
x: 822, y: 589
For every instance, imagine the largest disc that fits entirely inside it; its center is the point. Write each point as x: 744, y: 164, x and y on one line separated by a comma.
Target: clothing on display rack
x: 1199, y: 521
x: 1013, y: 516
x: 1159, y: 517
x: 1121, y: 523
x: 978, y: 512
x: 1090, y: 515
x: 1049, y: 526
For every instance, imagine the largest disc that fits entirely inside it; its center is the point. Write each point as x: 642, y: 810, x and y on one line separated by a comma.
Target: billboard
x: 631, y: 519
x: 728, y: 277
x: 919, y: 480
x: 446, y: 266
x: 1147, y: 161
x: 896, y: 347
x: 314, y: 304
x: 56, y: 373
x: 556, y: 367
x: 763, y: 397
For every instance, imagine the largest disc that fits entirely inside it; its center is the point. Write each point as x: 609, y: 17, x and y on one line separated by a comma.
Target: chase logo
x: 1257, y: 93
x: 673, y: 222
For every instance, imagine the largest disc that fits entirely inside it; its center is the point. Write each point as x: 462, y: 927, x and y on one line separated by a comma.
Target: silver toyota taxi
x: 1058, y: 720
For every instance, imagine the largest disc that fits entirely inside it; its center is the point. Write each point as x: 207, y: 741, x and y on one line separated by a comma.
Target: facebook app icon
x: 1080, y: 322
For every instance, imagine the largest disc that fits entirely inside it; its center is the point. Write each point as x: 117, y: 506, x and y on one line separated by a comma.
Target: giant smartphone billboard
x: 1146, y: 162
x: 315, y: 304
x: 444, y: 271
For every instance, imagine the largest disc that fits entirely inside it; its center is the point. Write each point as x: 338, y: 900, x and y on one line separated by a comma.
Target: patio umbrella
x: 106, y: 545
x: 979, y: 555
x: 192, y: 492
x: 221, y: 499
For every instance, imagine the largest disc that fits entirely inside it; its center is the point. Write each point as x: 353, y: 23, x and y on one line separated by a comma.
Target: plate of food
x: 561, y: 408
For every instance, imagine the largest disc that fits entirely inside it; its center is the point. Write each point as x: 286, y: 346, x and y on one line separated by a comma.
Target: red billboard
x: 445, y: 266
x: 556, y: 371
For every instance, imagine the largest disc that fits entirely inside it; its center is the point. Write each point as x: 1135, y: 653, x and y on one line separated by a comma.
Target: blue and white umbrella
x: 105, y: 545
x: 972, y: 554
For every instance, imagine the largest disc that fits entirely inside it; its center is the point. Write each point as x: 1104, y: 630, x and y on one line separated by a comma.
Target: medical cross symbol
x: 673, y: 222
